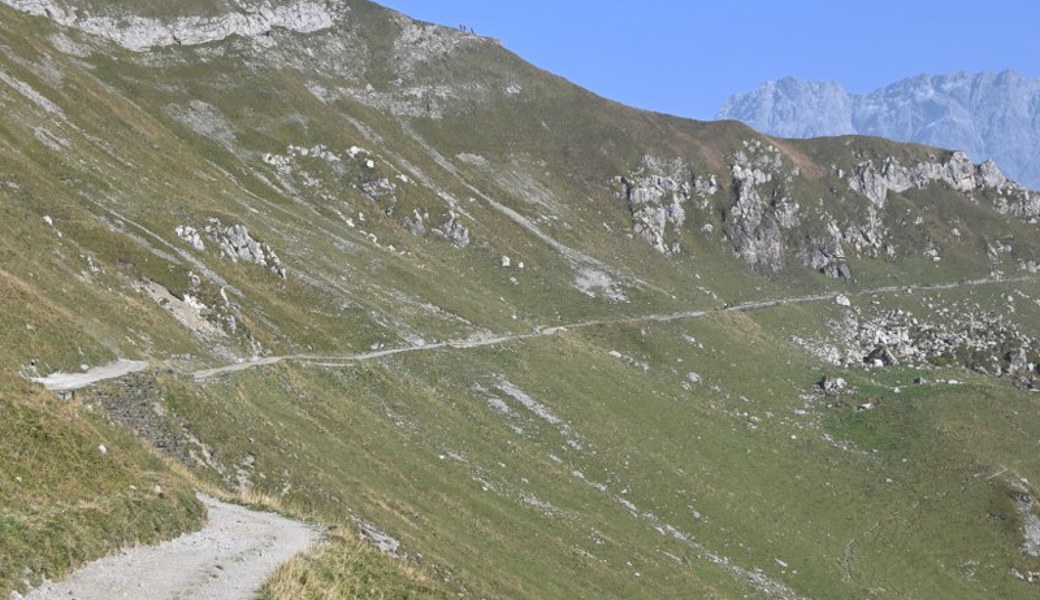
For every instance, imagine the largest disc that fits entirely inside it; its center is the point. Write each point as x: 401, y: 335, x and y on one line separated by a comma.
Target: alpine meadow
x: 492, y: 335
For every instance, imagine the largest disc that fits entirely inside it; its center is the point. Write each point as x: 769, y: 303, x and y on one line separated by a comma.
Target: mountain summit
x: 990, y: 116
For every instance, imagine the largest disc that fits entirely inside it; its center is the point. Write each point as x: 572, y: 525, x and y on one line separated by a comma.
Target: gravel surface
x: 228, y: 559
x: 62, y: 382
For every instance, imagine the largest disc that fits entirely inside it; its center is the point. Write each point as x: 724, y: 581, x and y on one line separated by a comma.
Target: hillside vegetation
x: 528, y: 342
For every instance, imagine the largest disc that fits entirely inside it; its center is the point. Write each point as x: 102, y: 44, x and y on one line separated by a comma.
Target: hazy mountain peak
x: 792, y: 107
x: 988, y: 115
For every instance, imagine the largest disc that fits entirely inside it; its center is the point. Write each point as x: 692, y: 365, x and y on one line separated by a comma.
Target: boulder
x: 832, y: 385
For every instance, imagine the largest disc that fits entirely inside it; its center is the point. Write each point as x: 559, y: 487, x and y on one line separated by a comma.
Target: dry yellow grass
x: 348, y: 568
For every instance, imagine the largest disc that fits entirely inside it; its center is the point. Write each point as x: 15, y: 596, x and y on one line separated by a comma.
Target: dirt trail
x: 751, y: 305
x: 63, y: 382
x: 228, y: 559
x: 71, y: 381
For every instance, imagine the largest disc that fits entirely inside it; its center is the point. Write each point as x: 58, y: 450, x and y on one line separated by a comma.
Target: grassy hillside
x: 552, y: 346
x: 75, y: 488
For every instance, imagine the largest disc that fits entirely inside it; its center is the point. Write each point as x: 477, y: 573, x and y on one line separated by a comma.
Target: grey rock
x: 791, y: 107
x: 832, y: 385
x: 453, y: 229
x: 763, y: 208
x: 378, y: 188
x: 876, y: 179
x: 987, y: 115
x: 191, y: 236
x: 1018, y: 362
x: 383, y: 542
x: 655, y: 196
x: 827, y: 260
x: 140, y: 33
x: 881, y: 356
x: 416, y: 223
x: 236, y: 243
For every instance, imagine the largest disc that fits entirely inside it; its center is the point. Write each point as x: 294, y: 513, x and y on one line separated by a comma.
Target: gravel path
x: 491, y: 340
x: 62, y: 382
x: 228, y: 559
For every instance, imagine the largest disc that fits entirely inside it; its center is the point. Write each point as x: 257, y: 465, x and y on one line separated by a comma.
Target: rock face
x: 655, y: 197
x: 236, y: 243
x: 763, y: 208
x: 987, y: 115
x: 765, y: 226
x: 794, y: 108
x: 453, y: 229
x: 875, y: 181
x: 140, y: 33
x: 191, y: 236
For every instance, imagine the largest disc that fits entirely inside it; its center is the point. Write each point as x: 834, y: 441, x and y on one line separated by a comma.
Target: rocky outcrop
x: 987, y: 115
x: 453, y: 229
x: 763, y: 208
x: 190, y: 236
x: 766, y: 227
x: 966, y: 335
x: 655, y: 198
x: 658, y: 195
x: 140, y: 33
x: 1026, y: 506
x: 236, y: 243
x: 1015, y: 201
x: 827, y: 259
x: 832, y: 385
x: 760, y: 218
x: 875, y: 180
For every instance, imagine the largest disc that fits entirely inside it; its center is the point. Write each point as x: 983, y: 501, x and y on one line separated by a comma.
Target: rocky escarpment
x: 875, y: 180
x: 656, y: 194
x: 141, y: 33
x: 763, y: 207
x: 765, y: 226
x: 755, y: 217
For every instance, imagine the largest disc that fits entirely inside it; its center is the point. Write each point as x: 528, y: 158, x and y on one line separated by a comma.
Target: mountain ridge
x: 990, y: 116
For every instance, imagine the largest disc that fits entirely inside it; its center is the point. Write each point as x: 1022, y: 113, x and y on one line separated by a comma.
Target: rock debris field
x: 228, y: 559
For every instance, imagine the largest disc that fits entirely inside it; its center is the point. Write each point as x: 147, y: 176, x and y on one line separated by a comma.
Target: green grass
x: 64, y: 502
x: 413, y: 445
x: 749, y: 463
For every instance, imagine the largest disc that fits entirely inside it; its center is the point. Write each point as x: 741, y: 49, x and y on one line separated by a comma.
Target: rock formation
x: 236, y: 243
x: 989, y: 116
x: 139, y: 33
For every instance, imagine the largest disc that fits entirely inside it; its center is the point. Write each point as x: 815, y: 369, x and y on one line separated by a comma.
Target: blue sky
x: 686, y: 57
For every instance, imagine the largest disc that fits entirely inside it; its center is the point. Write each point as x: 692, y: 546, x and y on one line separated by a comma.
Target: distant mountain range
x: 988, y: 115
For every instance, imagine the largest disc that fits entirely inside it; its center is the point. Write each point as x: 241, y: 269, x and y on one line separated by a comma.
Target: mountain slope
x: 991, y: 116
x: 541, y: 344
